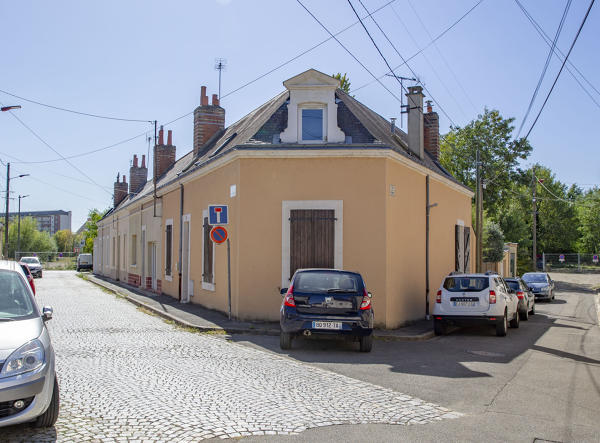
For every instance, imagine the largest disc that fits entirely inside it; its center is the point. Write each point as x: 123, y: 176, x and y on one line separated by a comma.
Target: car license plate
x: 327, y: 325
x: 465, y: 303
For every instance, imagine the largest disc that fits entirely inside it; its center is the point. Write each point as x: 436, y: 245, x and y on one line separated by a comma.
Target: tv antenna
x: 220, y: 64
x: 399, y: 77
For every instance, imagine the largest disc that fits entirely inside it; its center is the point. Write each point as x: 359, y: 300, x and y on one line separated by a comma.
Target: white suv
x: 475, y: 299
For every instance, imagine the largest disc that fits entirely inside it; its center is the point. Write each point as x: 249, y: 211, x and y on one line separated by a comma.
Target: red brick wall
x: 134, y: 279
x: 431, y: 133
x: 207, y: 121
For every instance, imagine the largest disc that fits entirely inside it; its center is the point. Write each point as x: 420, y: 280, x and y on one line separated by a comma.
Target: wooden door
x: 312, y: 238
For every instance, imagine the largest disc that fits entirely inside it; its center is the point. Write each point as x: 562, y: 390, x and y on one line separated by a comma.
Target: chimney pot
x: 135, y: 161
x: 429, y: 107
x: 415, y: 121
x: 161, y: 139
x: 170, y: 137
x: 203, y: 96
x: 215, y: 100
x: 144, y: 161
x: 124, y: 179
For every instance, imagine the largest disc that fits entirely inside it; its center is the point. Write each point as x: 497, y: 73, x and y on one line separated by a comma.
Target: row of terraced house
x: 311, y: 178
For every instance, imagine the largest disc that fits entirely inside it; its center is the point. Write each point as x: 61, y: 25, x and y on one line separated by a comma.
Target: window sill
x: 168, y: 277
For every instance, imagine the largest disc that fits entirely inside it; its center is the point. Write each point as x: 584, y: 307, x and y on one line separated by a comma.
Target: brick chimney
x: 164, y: 155
x: 415, y: 120
x: 208, y: 119
x: 431, y: 131
x: 120, y: 191
x: 138, y: 175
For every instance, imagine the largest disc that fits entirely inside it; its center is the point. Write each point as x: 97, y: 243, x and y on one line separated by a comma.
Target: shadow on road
x: 25, y: 433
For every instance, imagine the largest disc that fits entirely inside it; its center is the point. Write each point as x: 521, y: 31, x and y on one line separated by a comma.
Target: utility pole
x: 19, y: 227
x: 478, y: 214
x: 5, y: 252
x: 534, y: 213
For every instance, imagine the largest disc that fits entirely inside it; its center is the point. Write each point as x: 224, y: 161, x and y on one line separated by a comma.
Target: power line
x: 397, y: 52
x: 58, y: 108
x: 561, y: 67
x: 548, y: 58
x: 348, y: 51
x: 440, y: 35
x: 559, y: 54
x: 58, y: 153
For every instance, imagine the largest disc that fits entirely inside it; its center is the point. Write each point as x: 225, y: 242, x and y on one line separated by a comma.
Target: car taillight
x: 492, y: 297
x: 520, y: 295
x: 289, y: 298
x: 438, y: 297
x: 366, y: 301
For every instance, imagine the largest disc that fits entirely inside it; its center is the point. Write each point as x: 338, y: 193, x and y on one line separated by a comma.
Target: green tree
x: 492, y: 135
x: 588, y: 212
x: 493, y: 242
x: 32, y: 240
x: 65, y: 240
x: 94, y: 216
x: 344, y: 82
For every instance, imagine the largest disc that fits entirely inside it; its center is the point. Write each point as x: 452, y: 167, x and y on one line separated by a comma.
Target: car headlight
x: 545, y: 289
x: 28, y: 357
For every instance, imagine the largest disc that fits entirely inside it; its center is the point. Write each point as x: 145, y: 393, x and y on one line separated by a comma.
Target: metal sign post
x: 218, y: 215
x: 229, y: 278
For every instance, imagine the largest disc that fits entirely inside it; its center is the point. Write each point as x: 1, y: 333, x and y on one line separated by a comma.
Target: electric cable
x: 397, y: 52
x: 560, y: 55
x: 348, y: 51
x: 548, y: 58
x: 561, y: 67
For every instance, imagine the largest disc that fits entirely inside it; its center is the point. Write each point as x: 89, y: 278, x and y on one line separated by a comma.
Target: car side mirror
x: 47, y: 312
x: 283, y: 291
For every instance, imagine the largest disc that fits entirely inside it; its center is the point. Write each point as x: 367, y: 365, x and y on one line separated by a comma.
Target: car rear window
x: 466, y: 284
x: 512, y: 284
x: 15, y: 301
x: 323, y: 281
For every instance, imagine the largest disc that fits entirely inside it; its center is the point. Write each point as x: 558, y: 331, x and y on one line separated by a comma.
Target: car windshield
x: 15, y: 301
x: 30, y: 260
x: 513, y: 284
x: 466, y: 284
x: 325, y: 281
x: 535, y: 278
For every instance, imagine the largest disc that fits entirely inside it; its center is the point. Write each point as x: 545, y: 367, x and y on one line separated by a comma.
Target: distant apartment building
x: 49, y: 221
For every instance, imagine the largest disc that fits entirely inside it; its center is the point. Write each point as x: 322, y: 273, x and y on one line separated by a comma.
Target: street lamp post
x: 19, y: 226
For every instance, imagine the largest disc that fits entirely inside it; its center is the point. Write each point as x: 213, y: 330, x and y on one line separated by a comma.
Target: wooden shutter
x: 169, y: 249
x: 467, y: 250
x: 207, y: 271
x: 457, y: 246
x: 312, y: 238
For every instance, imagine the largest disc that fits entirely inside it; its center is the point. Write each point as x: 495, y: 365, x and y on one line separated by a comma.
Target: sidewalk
x: 197, y: 317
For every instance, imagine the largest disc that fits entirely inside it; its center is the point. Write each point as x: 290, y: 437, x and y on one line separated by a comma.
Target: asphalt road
x: 541, y: 382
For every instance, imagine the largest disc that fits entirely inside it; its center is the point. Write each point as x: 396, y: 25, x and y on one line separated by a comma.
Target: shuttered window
x: 312, y: 238
x: 207, y: 261
x: 467, y: 250
x: 168, y: 249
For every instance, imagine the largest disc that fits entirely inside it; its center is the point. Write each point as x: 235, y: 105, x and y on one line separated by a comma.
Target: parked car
x: 326, y: 302
x: 34, y: 265
x: 27, y: 273
x: 540, y: 284
x: 525, y: 296
x: 85, y: 261
x: 465, y: 299
x: 28, y: 385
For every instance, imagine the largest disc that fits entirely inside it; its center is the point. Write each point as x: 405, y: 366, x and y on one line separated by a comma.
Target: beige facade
x: 375, y: 188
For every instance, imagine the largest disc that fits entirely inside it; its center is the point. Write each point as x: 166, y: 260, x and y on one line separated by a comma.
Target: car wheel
x: 439, y: 328
x: 502, y: 327
x: 366, y: 343
x: 514, y: 323
x: 40, y: 275
x: 49, y: 417
x: 285, y: 340
x: 524, y: 315
x: 533, y: 309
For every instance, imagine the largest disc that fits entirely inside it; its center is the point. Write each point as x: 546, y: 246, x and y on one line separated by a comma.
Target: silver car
x: 28, y: 384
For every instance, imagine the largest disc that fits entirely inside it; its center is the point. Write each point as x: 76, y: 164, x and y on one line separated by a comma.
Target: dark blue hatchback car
x: 327, y: 302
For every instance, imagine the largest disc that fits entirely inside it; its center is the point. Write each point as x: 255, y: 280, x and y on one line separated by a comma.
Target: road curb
x: 420, y: 337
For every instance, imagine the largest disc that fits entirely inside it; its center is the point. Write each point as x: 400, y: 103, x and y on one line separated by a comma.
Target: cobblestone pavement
x: 128, y: 376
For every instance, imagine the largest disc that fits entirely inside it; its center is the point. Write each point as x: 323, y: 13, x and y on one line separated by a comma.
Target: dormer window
x: 312, y: 110
x: 312, y: 124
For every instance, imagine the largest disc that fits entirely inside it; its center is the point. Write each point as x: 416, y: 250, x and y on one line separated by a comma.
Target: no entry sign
x: 218, y: 234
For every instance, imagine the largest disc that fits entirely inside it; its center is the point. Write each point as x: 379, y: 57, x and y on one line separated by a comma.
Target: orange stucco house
x: 312, y: 178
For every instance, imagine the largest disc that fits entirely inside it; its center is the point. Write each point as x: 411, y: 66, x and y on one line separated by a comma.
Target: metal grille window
x: 168, y: 249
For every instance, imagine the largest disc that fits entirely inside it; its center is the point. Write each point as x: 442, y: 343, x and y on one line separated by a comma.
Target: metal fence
x: 52, y: 260
x: 571, y: 262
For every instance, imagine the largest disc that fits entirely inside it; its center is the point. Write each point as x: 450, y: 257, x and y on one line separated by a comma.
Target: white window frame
x: 322, y: 107
x: 205, y: 285
x: 338, y: 246
x: 168, y: 222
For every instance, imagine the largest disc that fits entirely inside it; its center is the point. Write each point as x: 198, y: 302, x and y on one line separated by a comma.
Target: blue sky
x: 147, y: 60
